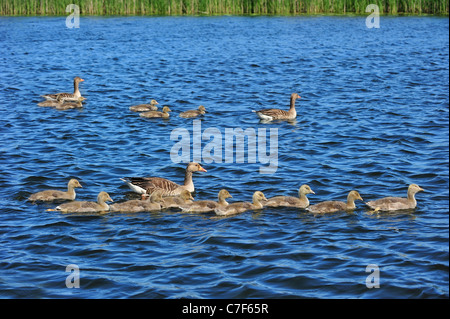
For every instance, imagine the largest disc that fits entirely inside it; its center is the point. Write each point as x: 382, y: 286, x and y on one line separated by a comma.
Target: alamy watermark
x: 373, y: 280
x: 73, y: 280
x: 373, y: 20
x: 221, y: 148
x: 73, y: 20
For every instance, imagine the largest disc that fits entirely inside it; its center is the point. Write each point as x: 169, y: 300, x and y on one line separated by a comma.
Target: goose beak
x: 421, y: 189
x: 312, y: 192
x: 202, y: 169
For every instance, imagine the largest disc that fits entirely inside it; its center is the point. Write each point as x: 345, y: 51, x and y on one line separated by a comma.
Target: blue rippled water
x: 373, y: 117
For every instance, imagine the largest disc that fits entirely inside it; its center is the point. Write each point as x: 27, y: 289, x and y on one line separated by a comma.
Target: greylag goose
x: 194, y: 113
x: 240, y: 207
x: 67, y: 96
x: 153, y: 114
x: 145, y: 107
x: 397, y: 203
x: 86, y: 207
x: 51, y: 195
x: 152, y: 203
x: 205, y: 206
x: 147, y: 185
x: 336, y: 206
x: 51, y: 103
x: 277, y: 114
x: 71, y: 105
x: 185, y: 198
x: 289, y: 201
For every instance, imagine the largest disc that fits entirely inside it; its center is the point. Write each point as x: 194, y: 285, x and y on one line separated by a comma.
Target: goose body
x: 156, y: 114
x: 336, y: 206
x: 204, y: 206
x: 185, y: 198
x: 145, y: 107
x: 397, y: 203
x: 85, y: 206
x: 52, y: 195
x: 289, y: 201
x: 147, y: 185
x: 240, y: 207
x: 277, y: 114
x: 193, y: 113
x: 152, y: 203
x: 49, y: 103
x: 67, y: 96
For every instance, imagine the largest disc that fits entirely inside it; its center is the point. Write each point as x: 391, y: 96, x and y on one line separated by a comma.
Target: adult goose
x: 67, y: 96
x: 86, y: 207
x: 147, y: 185
x: 336, y: 206
x: 240, y: 207
x: 205, y: 206
x: 289, y: 201
x: 194, y: 113
x: 145, y: 107
x: 152, y: 203
x: 397, y: 203
x: 185, y: 198
x: 277, y: 114
x: 154, y: 114
x: 52, y: 195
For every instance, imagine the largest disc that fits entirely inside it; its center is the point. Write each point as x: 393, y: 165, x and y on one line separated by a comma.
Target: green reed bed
x: 219, y: 7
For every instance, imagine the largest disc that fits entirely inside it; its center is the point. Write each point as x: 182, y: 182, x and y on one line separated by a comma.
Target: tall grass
x: 215, y: 7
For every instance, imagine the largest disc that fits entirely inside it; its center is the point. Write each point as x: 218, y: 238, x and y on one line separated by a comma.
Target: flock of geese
x: 159, y: 193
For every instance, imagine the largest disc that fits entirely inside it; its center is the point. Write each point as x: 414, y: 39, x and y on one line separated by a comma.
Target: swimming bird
x: 240, y: 207
x: 152, y: 203
x: 336, y: 206
x: 51, y: 103
x: 85, y: 206
x: 71, y: 105
x: 147, y: 185
x: 145, y: 107
x: 194, y: 113
x: 204, y: 206
x: 277, y: 114
x: 153, y: 114
x: 67, y: 96
x: 289, y: 201
x: 52, y: 195
x: 397, y: 203
x: 185, y: 198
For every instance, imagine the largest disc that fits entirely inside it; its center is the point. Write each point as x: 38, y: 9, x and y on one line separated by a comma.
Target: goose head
x: 166, y: 109
x: 77, y: 79
x: 258, y: 196
x: 353, y: 195
x: 224, y: 194
x: 186, y: 195
x: 103, y: 197
x: 414, y: 188
x: 304, y: 190
x: 195, y: 167
x: 74, y: 183
x: 295, y: 96
x: 202, y: 109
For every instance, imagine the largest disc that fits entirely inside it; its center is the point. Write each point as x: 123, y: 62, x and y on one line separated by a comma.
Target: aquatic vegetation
x: 219, y: 7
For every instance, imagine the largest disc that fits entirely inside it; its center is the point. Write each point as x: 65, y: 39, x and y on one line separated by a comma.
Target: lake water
x: 373, y: 117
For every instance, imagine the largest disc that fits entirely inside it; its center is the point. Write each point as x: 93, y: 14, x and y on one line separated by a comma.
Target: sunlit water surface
x: 373, y: 117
